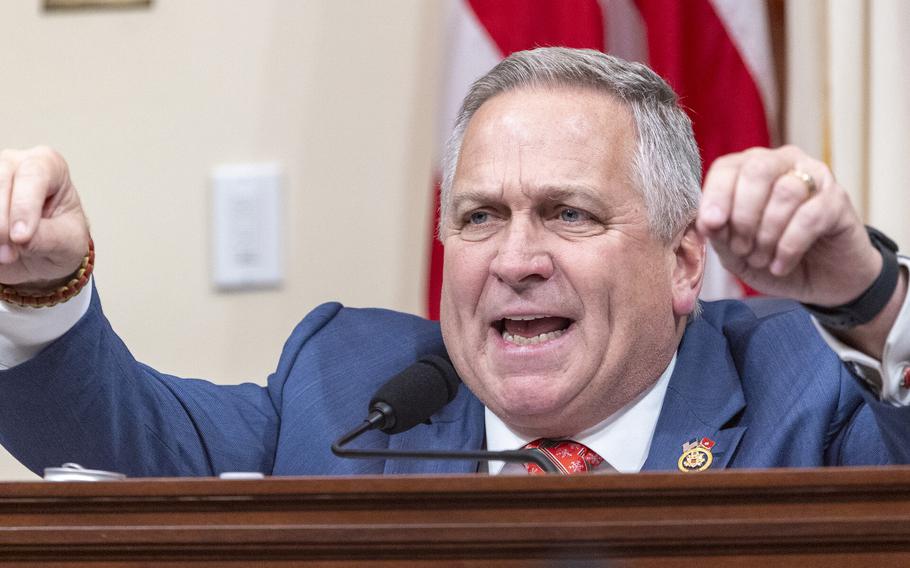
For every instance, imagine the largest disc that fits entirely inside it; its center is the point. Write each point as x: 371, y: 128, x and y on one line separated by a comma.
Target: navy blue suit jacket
x: 768, y: 390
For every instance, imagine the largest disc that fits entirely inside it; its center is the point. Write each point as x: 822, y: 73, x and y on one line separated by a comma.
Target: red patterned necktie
x: 568, y: 456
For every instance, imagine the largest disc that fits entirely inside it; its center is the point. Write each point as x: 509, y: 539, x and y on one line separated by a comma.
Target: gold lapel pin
x: 696, y: 455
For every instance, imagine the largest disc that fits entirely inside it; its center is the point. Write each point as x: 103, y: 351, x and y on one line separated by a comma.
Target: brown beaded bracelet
x: 59, y: 295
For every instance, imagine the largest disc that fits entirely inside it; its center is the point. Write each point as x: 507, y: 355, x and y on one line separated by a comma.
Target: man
x: 574, y: 258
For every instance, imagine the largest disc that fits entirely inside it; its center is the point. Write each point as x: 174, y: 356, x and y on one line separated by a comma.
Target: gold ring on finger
x: 807, y: 179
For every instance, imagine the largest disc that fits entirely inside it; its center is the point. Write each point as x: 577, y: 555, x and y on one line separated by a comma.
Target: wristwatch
x: 868, y: 305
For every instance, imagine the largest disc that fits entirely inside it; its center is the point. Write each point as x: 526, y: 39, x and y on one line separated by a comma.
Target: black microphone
x: 410, y: 398
x: 413, y: 395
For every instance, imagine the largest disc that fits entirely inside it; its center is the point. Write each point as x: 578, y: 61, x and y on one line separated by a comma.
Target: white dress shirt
x: 623, y: 440
x: 26, y: 331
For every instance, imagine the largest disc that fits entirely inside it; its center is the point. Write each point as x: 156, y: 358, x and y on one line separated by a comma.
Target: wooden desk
x: 832, y: 517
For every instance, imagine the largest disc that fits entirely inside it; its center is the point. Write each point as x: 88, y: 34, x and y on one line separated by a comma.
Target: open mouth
x: 531, y: 330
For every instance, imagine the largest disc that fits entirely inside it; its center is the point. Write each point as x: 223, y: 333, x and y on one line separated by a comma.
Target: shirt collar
x: 623, y: 439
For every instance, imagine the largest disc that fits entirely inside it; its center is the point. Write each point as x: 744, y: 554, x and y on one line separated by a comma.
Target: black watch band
x: 869, y: 303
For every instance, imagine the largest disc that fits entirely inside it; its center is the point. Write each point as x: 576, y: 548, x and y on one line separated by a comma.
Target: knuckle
x: 757, y: 168
x: 719, y: 181
x: 724, y: 162
x: 791, y: 150
x: 756, y: 154
x: 788, y: 189
x: 42, y: 151
x: 796, y: 157
x: 32, y: 168
x: 47, y: 155
x: 816, y: 165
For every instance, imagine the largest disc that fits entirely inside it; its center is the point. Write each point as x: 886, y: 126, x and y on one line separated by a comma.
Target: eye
x: 479, y: 224
x: 570, y: 215
x: 572, y: 222
x: 479, y: 217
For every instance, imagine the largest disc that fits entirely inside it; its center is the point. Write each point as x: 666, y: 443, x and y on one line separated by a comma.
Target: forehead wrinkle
x: 506, y: 122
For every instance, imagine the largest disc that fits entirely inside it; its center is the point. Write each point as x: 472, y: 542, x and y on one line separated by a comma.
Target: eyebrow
x: 548, y: 192
x: 565, y: 191
x: 471, y: 196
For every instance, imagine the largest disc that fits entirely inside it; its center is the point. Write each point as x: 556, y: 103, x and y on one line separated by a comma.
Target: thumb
x: 58, y: 246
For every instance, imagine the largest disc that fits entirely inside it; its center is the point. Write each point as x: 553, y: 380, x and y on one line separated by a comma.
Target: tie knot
x: 568, y: 456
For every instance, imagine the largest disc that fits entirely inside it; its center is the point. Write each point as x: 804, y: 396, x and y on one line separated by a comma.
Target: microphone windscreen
x: 418, y: 392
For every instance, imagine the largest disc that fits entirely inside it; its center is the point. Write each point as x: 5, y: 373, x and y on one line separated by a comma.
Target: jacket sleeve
x: 877, y: 425
x: 85, y: 399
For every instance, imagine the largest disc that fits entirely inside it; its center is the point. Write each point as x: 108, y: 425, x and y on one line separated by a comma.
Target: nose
x: 523, y: 258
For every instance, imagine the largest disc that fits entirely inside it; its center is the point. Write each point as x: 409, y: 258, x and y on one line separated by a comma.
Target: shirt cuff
x: 26, y: 331
x: 885, y: 376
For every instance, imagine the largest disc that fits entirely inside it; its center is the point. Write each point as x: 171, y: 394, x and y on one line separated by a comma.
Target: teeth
x: 524, y: 318
x: 521, y: 340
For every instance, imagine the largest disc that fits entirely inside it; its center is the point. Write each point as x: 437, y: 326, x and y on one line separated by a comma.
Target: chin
x: 539, y: 425
x: 527, y: 401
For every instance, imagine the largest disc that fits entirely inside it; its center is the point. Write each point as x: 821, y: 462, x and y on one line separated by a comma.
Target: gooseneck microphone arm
x: 410, y: 398
x: 511, y: 456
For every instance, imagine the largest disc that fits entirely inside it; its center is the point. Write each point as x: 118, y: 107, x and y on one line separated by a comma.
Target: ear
x: 688, y: 268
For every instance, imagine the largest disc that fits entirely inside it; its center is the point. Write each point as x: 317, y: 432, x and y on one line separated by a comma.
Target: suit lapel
x: 703, y: 396
x: 458, y: 426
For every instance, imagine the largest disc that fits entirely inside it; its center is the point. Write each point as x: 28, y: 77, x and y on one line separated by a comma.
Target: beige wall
x: 143, y: 103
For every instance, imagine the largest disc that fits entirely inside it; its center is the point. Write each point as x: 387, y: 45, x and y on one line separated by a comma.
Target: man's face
x: 556, y: 300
